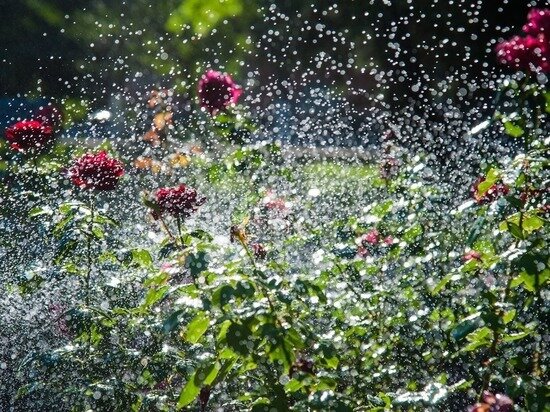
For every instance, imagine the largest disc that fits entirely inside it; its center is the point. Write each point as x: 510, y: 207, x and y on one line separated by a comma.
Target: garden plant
x: 229, y: 275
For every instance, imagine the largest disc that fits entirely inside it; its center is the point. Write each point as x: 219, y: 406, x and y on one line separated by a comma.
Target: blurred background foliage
x: 49, y: 46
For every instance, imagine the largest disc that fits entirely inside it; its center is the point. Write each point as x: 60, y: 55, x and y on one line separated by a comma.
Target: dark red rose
x: 525, y: 53
x: 50, y: 115
x: 217, y: 91
x: 259, y: 250
x: 178, y: 201
x: 96, y: 171
x: 538, y: 21
x: 29, y: 136
x: 493, y: 193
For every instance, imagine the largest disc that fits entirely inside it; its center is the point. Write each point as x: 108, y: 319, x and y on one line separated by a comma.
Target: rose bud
x: 480, y: 407
x: 237, y: 233
x: 29, y: 136
x: 96, y: 171
x: 388, y: 240
x: 180, y: 201
x: 217, y: 91
x: 370, y: 238
x: 503, y: 403
x: 472, y: 255
x: 259, y: 250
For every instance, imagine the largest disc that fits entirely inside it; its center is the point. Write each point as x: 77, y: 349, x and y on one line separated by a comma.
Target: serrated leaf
x: 197, y: 327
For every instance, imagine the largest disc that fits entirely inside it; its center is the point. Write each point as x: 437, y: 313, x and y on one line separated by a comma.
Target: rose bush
x: 251, y: 293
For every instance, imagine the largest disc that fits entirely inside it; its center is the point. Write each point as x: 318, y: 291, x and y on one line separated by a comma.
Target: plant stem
x: 182, y: 245
x: 89, y: 251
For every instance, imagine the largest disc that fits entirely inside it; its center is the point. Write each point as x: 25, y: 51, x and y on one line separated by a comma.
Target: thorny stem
x: 89, y: 250
x: 182, y: 245
x: 164, y: 226
x: 265, y: 293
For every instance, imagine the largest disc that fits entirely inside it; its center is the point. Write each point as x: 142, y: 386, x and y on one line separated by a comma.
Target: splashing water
x: 253, y: 205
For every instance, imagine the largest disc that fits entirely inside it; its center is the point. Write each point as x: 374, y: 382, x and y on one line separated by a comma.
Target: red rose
x: 525, y: 53
x: 96, y: 171
x: 178, y: 201
x: 29, y: 136
x: 217, y: 91
x: 493, y: 193
x: 538, y: 21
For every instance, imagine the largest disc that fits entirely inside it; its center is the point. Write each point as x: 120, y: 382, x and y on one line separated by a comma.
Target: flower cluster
x: 179, y: 201
x: 531, y: 52
x: 96, y: 171
x: 217, y: 91
x: 29, y: 136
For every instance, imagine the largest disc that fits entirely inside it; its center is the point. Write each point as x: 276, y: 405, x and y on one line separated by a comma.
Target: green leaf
x: 154, y: 295
x: 206, y: 374
x: 509, y: 316
x: 476, y: 230
x: 443, y: 282
x: 515, y: 336
x: 481, y: 337
x: 197, y: 327
x: 513, y: 129
x: 412, y: 233
x: 382, y: 209
x: 142, y: 257
x: 203, y: 376
x: 39, y: 211
x: 532, y: 223
x: 223, y: 295
x: 465, y: 327
x: 239, y: 338
x: 188, y: 393
x: 172, y: 321
x: 197, y: 263
x: 167, y: 249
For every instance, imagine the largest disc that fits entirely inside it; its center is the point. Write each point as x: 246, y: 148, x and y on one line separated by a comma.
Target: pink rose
x: 370, y: 238
x: 217, y: 91
x: 538, y: 21
x: 525, y: 53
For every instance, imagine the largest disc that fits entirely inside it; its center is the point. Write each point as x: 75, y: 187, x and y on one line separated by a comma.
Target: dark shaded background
x: 46, y: 44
